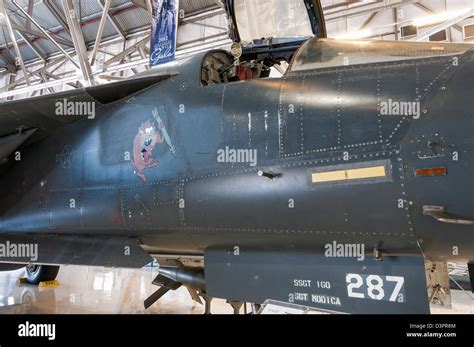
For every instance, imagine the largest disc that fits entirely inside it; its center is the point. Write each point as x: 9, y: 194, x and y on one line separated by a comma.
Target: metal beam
x: 128, y: 51
x: 31, y: 4
x: 100, y: 31
x: 365, y: 9
x: 140, y: 3
x: 110, y: 78
x: 367, y: 21
x: 44, y: 78
x: 33, y: 47
x: 78, y: 40
x: 20, y: 80
x: 146, y: 5
x: 19, y: 59
x: 395, y: 23
x: 218, y: 35
x: 132, y: 56
x: 11, y: 79
x: 54, y: 11
x: 114, y: 22
x: 9, y: 61
x: 122, y: 67
x: 149, y: 8
x: 443, y: 26
x: 38, y: 87
x: 24, y: 30
x: 208, y: 26
x: 44, y: 32
x: 205, y: 15
x: 428, y: 9
x: 336, y: 7
x: 29, y: 33
x: 43, y: 69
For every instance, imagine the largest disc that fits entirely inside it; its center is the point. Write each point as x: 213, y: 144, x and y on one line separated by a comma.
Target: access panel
x: 347, y: 285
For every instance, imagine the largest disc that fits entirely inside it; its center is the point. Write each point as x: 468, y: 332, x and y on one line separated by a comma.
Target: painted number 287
x: 375, y: 286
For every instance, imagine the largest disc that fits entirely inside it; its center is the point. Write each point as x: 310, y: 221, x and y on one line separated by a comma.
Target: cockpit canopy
x: 266, y: 35
x: 326, y: 53
x: 271, y: 19
x: 219, y: 66
x: 273, y: 29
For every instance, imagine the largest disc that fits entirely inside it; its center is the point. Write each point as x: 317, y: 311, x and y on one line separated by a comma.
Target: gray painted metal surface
x: 147, y: 166
x: 92, y: 161
x: 310, y: 279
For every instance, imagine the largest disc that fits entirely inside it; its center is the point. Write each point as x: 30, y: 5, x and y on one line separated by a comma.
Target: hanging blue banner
x: 164, y: 27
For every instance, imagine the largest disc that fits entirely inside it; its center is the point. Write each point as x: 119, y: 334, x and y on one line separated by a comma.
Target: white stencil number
x: 373, y: 286
x: 398, y: 286
x: 375, y: 291
x: 351, y: 285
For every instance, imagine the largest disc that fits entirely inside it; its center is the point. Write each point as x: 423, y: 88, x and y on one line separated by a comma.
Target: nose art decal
x: 150, y: 134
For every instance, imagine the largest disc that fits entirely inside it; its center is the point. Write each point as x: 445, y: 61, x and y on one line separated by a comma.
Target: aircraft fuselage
x: 339, y: 152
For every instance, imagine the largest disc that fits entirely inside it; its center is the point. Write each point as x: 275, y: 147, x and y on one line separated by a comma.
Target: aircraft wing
x: 29, y: 120
x: 106, y: 251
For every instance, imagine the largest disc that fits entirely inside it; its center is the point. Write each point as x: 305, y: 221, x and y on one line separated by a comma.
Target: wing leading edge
x: 40, y: 113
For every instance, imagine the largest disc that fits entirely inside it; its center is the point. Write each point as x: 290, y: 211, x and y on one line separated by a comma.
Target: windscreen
x: 258, y: 19
x: 324, y: 53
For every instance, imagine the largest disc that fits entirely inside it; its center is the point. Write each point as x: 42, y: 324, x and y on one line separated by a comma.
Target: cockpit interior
x: 221, y: 67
